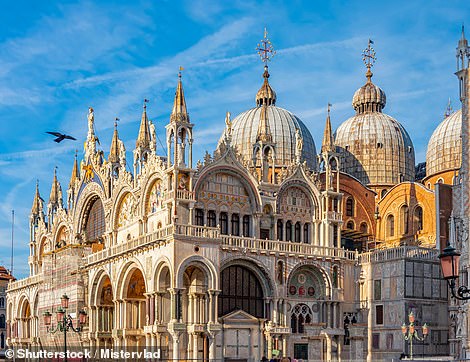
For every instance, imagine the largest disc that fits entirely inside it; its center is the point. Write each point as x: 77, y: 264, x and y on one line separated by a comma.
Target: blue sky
x: 57, y: 59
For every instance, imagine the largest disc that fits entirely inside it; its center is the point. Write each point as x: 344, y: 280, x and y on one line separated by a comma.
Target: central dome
x: 275, y: 125
x: 283, y: 125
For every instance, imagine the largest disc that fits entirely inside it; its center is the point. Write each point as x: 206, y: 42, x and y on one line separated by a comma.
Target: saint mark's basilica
x: 269, y: 246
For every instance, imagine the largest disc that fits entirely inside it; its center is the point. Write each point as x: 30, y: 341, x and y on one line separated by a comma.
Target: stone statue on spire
x: 91, y: 122
x: 228, y: 124
x: 153, y: 137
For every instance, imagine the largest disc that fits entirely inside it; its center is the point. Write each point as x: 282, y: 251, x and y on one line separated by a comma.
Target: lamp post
x: 64, y: 321
x: 449, y: 259
x: 409, y: 332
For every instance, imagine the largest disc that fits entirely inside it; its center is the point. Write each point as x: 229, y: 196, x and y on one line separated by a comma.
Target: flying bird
x: 61, y: 137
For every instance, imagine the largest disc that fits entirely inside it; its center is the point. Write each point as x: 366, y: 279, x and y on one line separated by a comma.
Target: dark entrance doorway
x: 301, y: 351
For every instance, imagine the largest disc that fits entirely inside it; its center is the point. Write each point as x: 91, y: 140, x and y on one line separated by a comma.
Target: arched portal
x: 103, y: 312
x: 241, y: 290
x: 243, y: 310
x: 133, y: 307
x: 25, y: 321
x: 196, y: 312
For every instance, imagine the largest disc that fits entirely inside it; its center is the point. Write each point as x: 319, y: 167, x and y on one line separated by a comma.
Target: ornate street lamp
x: 64, y: 321
x: 450, y: 270
x: 410, y: 333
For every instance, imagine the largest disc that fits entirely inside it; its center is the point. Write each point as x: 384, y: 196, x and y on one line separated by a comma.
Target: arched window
x: 364, y: 228
x: 246, y: 225
x: 350, y: 206
x: 297, y: 232
x: 307, y: 233
x: 350, y: 225
x: 2, y: 321
x: 241, y: 289
x: 390, y: 225
x: 95, y: 222
x: 404, y: 219
x: 2, y: 302
x: 289, y: 231
x: 301, y: 315
x: 280, y: 230
x: 383, y: 193
x: 211, y: 219
x: 199, y: 217
x: 223, y: 223
x: 418, y: 218
x: 235, y: 224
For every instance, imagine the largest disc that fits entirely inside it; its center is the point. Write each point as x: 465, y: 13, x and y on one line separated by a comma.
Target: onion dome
x: 375, y: 147
x: 369, y: 98
x: 280, y: 124
x: 445, y: 145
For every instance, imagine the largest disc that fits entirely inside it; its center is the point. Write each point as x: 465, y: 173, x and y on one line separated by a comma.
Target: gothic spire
x: 328, y: 140
x: 37, y: 207
x: 75, y: 173
x: 143, y: 139
x: 180, y: 112
x: 55, y: 197
x: 114, y: 150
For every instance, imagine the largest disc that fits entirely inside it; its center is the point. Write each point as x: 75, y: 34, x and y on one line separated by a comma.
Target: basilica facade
x: 265, y: 248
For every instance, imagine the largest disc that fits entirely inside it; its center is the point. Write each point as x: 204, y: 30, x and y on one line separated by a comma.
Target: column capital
x: 175, y: 290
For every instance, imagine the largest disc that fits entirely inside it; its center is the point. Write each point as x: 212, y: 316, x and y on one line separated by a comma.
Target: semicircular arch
x: 249, y: 186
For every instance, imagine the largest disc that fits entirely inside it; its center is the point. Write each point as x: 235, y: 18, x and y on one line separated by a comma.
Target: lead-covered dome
x: 283, y: 125
x: 445, y: 145
x: 277, y: 126
x: 375, y: 147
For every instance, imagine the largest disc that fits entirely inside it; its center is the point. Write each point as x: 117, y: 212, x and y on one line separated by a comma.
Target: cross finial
x: 329, y: 108
x: 368, y: 57
x: 116, y: 120
x: 145, y: 105
x: 265, y: 49
x: 179, y: 72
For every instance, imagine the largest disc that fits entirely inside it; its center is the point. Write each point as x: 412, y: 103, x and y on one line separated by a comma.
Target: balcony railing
x: 400, y: 252
x: 184, y: 195
x: 197, y: 231
x: 159, y: 235
x: 25, y: 282
x: 286, y: 248
x: 124, y: 247
x: 333, y: 215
